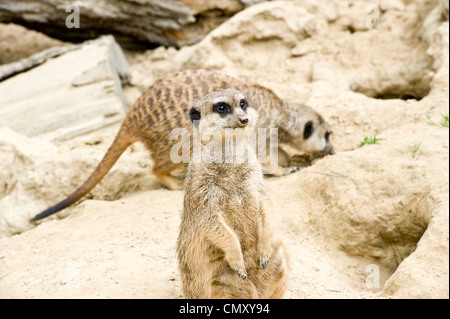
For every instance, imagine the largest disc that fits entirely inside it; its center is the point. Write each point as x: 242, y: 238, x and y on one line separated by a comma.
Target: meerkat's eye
x: 309, y: 129
x: 244, y: 104
x: 221, y: 108
x: 327, y: 136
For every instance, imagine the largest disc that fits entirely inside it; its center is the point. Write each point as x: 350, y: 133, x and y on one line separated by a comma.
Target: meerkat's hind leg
x: 271, y: 166
x: 227, y: 286
x: 165, y: 178
x: 277, y: 270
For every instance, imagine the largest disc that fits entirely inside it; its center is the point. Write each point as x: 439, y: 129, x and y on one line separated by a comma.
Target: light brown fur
x: 226, y: 248
x: 164, y: 106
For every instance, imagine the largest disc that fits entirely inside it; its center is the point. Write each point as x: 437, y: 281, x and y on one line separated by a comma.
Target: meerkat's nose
x: 243, y: 121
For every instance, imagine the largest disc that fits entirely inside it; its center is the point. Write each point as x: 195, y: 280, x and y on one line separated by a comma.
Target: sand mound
x: 367, y: 222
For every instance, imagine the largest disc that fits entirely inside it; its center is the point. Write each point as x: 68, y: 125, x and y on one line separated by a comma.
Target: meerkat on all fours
x: 225, y: 247
x: 165, y: 105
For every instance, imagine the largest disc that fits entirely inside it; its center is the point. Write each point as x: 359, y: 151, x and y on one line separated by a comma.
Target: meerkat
x: 164, y: 106
x: 225, y: 247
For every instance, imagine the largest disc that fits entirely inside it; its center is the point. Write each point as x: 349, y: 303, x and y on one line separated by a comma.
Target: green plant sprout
x: 415, y: 150
x: 5, y: 266
x: 444, y: 122
x: 369, y: 140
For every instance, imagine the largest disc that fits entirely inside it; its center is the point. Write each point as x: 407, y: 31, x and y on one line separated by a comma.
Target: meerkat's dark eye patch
x: 327, y: 136
x: 194, y: 115
x: 222, y: 108
x: 309, y: 129
x: 243, y: 104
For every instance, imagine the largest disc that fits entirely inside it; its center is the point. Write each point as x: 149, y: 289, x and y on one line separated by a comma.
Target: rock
x: 11, y: 69
x: 170, y: 23
x: 18, y: 42
x: 75, y: 93
x: 247, y: 33
x: 25, y: 161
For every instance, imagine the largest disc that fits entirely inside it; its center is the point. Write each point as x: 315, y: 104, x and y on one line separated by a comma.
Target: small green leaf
x: 369, y: 140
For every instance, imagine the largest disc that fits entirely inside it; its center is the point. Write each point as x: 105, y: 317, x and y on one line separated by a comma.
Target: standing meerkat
x: 165, y: 105
x: 225, y: 247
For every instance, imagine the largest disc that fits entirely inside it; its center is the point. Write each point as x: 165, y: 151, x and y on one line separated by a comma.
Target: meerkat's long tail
x: 120, y: 144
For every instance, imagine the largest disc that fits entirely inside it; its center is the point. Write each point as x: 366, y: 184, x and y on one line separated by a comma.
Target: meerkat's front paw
x: 263, y: 261
x: 240, y: 270
x: 280, y: 171
x: 242, y: 273
x: 264, y: 252
x: 264, y: 255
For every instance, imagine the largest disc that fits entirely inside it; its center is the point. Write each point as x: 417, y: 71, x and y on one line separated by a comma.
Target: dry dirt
x: 367, y: 222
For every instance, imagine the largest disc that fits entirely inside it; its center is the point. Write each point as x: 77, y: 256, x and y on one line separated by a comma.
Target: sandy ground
x: 367, y: 222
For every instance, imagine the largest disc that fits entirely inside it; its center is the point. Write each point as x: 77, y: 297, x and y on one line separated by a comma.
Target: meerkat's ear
x: 194, y: 114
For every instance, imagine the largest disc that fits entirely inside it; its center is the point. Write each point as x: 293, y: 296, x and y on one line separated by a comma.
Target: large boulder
x: 170, y: 23
x: 76, y: 92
